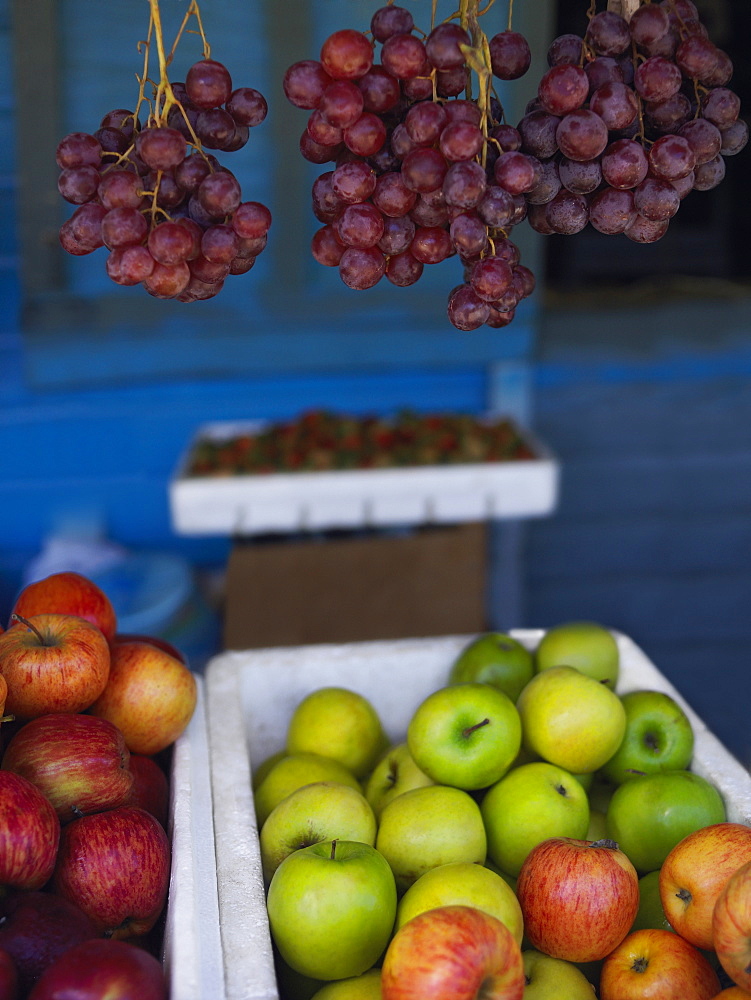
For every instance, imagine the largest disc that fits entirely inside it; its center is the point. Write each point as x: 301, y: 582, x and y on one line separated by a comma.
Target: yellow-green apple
x: 92, y: 970
x: 494, y: 658
x: 466, y: 735
x: 571, y: 719
x: 79, y: 762
x: 528, y: 805
x: 364, y: 987
x: 331, y: 908
x: 465, y: 883
x: 731, y: 927
x: 548, y: 978
x: 578, y: 898
x: 36, y: 927
x: 339, y: 723
x: 53, y: 663
x: 587, y: 646
x: 9, y: 985
x: 453, y: 951
x: 658, y: 737
x: 656, y: 963
x: 651, y: 913
x: 694, y: 874
x: 261, y: 770
x: 314, y: 813
x: 150, y: 789
x: 115, y: 866
x: 149, y: 695
x: 395, y: 772
x: 649, y: 814
x: 428, y: 827
x: 68, y: 593
x: 294, y: 771
x: 29, y: 834
x: 598, y: 827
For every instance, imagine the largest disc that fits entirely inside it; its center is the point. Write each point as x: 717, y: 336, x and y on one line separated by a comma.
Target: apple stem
x: 478, y: 725
x: 7, y: 718
x: 609, y: 844
x: 25, y: 621
x: 333, y: 849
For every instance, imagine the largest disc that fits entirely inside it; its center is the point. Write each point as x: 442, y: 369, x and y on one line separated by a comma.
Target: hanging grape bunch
x: 630, y: 118
x: 169, y: 214
x: 415, y: 175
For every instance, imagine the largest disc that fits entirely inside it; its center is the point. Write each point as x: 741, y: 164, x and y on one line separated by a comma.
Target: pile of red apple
x: 535, y: 835
x: 88, y: 719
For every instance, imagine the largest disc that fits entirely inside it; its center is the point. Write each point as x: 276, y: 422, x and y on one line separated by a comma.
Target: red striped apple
x: 53, y: 663
x: 68, y: 593
x: 94, y: 970
x: 579, y: 898
x: 29, y: 834
x: 149, y: 695
x: 694, y: 874
x: 115, y: 866
x: 150, y: 789
x: 657, y: 963
x: 731, y: 927
x: 453, y: 951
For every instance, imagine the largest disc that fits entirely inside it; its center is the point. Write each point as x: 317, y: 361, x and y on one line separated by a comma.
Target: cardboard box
x: 346, y: 588
x: 250, y: 698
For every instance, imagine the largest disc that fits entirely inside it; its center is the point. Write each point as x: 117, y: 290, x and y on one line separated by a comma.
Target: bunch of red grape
x: 629, y: 119
x: 417, y: 171
x: 170, y: 215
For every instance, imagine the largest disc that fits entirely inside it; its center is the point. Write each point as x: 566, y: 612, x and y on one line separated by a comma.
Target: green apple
x: 331, y: 909
x: 528, y: 805
x: 600, y: 792
x: 658, y: 737
x: 463, y: 883
x: 494, y: 658
x: 648, y: 815
x: 570, y: 719
x: 322, y: 811
x: 364, y: 987
x: 260, y: 772
x: 339, y: 723
x: 428, y: 827
x: 598, y: 825
x: 587, y: 646
x: 651, y: 913
x: 551, y: 978
x: 465, y: 735
x: 293, y: 771
x: 395, y: 772
x: 292, y: 984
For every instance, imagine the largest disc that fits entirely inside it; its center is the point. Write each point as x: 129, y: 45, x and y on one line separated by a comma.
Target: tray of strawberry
x: 329, y: 470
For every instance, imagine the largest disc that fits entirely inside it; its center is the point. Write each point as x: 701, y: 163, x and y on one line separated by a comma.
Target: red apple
x: 79, y: 762
x: 8, y: 977
x: 150, y: 789
x: 53, y: 663
x: 103, y: 970
x: 150, y: 696
x: 731, y: 927
x: 657, y: 963
x: 694, y: 874
x: 154, y: 640
x: 29, y: 834
x: 37, y: 927
x: 453, y: 951
x: 579, y: 898
x: 733, y: 993
x: 115, y: 866
x: 68, y: 594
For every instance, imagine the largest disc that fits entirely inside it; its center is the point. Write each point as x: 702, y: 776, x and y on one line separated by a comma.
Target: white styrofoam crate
x: 192, y: 953
x: 250, y: 698
x: 359, y: 498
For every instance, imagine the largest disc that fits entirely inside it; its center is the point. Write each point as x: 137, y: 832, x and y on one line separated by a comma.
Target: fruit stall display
x: 101, y: 733
x: 501, y: 815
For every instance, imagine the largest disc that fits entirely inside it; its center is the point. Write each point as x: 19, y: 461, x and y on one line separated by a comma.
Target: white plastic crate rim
x: 359, y: 498
x: 250, y: 698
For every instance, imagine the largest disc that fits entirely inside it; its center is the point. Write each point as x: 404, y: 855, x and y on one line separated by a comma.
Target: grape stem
x: 477, y: 56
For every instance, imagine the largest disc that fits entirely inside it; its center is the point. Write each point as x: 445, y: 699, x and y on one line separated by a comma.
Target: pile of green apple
x: 88, y: 719
x: 534, y: 835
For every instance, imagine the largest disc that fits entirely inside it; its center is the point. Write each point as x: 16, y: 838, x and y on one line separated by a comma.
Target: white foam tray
x: 193, y: 958
x: 250, y: 697
x: 359, y: 498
